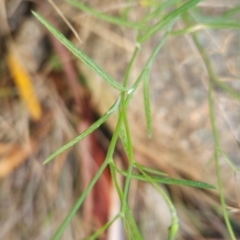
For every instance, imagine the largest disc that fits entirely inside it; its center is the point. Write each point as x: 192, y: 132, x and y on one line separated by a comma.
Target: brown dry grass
x: 36, y: 198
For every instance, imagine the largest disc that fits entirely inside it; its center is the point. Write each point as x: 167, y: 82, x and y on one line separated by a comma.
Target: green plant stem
x: 158, y: 11
x: 167, y: 19
x: 130, y: 225
x: 219, y: 179
x: 79, y: 54
x: 146, y: 67
x: 105, y: 17
x: 114, y: 179
x: 129, y: 66
x: 165, y: 180
x: 85, y: 133
x: 214, y: 129
x: 102, y: 229
x: 131, y: 159
x: 122, y: 127
x: 147, y: 104
x: 173, y: 229
x: 79, y: 202
x: 230, y: 163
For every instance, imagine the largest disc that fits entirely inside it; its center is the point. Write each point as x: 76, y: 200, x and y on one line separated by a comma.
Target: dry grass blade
x: 16, y: 156
x: 65, y: 20
x: 35, y: 199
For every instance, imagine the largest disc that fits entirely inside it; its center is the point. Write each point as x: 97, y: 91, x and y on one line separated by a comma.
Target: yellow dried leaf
x: 24, y: 85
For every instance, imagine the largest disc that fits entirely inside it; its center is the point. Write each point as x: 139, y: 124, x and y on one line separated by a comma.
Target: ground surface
x: 35, y: 198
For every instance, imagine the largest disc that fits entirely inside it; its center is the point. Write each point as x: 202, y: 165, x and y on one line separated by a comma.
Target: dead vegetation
x: 35, y: 198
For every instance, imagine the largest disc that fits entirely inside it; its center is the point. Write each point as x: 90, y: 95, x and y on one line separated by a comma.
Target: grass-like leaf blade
x: 159, y: 10
x: 102, y: 229
x: 147, y: 105
x: 183, y: 182
x: 103, y: 16
x: 173, y: 181
x: 131, y: 226
x: 78, y: 53
x: 124, y: 140
x: 204, y: 26
x: 168, y: 19
x: 79, y: 202
x: 88, y: 131
x: 150, y: 170
x: 147, y: 66
x: 173, y: 228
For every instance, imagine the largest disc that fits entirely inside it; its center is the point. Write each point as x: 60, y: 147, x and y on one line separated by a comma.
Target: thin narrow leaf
x: 88, y: 131
x: 229, y: 161
x: 102, y: 229
x: 124, y: 140
x: 127, y: 229
x: 147, y: 105
x: 183, y: 182
x: 147, y: 66
x: 104, y: 16
x: 173, y: 229
x: 225, y: 18
x: 212, y: 78
x: 222, y: 25
x: 130, y: 157
x: 167, y: 20
x: 129, y: 67
x: 79, y: 54
x: 191, y: 29
x: 204, y: 26
x: 107, y: 161
x: 149, y: 170
x: 216, y: 157
x: 112, y: 167
x: 173, y: 181
x: 231, y: 12
x: 226, y: 88
x: 132, y: 224
x: 79, y: 202
x: 159, y: 9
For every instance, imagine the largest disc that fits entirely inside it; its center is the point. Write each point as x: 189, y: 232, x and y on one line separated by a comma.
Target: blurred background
x: 48, y: 97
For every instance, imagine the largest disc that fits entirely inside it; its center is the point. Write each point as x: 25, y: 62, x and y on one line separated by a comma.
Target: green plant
x: 165, y: 21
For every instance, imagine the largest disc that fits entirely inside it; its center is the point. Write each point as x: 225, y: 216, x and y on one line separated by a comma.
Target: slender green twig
x: 122, y: 129
x: 212, y: 79
x: 173, y: 229
x: 102, y: 229
x: 79, y: 202
x: 219, y: 178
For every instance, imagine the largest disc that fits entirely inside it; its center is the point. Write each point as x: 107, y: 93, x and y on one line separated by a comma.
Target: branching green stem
x: 212, y: 79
